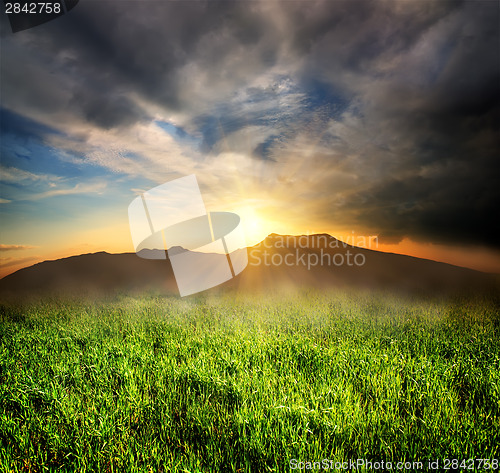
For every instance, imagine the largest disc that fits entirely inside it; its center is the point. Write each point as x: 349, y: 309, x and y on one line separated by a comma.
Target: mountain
x: 278, y: 262
x: 90, y: 274
x: 337, y: 264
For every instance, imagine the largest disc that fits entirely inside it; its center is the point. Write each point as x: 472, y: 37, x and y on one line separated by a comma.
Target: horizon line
x: 343, y: 243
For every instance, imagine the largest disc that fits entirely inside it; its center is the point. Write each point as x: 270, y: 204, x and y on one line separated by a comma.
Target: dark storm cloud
x: 106, y: 109
x: 429, y: 127
x: 402, y: 95
x: 342, y: 38
x: 454, y: 207
x: 106, y: 50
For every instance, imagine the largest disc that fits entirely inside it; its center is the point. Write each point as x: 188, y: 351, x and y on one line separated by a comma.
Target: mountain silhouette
x: 337, y: 264
x: 278, y: 262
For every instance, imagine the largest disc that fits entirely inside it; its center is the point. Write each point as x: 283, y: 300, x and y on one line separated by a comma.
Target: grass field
x: 241, y: 383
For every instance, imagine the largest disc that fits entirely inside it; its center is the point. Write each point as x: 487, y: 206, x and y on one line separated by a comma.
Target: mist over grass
x: 228, y: 382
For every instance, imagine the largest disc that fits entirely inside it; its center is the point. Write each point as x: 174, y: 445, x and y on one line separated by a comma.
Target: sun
x: 253, y: 224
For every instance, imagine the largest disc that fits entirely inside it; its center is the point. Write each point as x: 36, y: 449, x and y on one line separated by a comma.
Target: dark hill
x: 335, y: 263
x: 90, y: 274
x: 279, y: 261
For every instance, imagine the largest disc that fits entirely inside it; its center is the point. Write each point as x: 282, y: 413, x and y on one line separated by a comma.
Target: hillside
x: 278, y: 262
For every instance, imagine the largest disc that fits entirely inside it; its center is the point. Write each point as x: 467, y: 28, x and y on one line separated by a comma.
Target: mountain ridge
x: 270, y: 266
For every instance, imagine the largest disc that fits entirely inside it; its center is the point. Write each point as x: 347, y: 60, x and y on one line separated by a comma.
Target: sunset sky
x: 354, y: 118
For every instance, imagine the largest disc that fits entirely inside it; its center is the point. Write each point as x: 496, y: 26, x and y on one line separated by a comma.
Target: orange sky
x: 115, y: 238
x: 300, y: 117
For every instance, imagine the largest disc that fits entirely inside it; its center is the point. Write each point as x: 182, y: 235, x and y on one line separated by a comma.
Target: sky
x: 374, y: 121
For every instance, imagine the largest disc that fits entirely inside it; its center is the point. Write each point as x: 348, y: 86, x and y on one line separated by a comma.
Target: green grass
x: 240, y: 383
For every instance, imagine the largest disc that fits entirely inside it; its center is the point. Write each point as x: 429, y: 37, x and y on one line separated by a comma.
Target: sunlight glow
x: 253, y: 225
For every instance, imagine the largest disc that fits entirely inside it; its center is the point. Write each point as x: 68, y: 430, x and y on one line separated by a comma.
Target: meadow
x: 232, y: 382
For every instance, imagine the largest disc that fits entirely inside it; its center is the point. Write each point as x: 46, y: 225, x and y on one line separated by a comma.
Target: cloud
x: 26, y: 185
x: 382, y: 115
x: 97, y: 187
x: 143, y: 150
x: 15, y: 175
x: 16, y: 247
x: 176, y: 55
x: 420, y: 133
